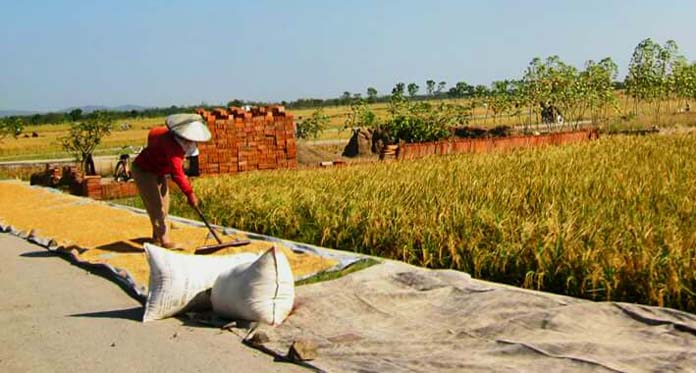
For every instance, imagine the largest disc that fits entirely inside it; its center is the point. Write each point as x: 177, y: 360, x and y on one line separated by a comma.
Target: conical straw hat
x: 189, y: 127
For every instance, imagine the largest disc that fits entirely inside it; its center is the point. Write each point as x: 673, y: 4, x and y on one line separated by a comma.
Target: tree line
x: 549, y: 91
x: 656, y: 73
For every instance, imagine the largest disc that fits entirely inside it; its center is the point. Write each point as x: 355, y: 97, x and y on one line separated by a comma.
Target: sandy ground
x: 56, y: 317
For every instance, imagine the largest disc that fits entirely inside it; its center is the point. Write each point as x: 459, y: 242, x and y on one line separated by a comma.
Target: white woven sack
x: 260, y: 291
x: 180, y: 282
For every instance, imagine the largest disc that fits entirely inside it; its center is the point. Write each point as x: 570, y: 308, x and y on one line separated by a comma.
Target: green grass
x: 130, y: 202
x: 23, y: 173
x: 333, y: 275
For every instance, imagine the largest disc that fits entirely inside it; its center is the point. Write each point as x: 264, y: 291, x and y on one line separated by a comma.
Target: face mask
x: 190, y: 148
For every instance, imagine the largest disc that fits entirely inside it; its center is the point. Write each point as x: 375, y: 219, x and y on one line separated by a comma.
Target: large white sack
x: 181, y: 282
x: 260, y: 291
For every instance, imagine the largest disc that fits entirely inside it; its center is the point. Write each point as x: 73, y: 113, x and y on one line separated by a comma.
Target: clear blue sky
x: 57, y: 54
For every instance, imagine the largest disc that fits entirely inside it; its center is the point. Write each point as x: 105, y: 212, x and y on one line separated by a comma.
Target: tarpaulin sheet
x: 396, y: 317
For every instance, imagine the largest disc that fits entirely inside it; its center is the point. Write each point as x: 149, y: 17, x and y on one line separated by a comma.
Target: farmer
x: 165, y: 152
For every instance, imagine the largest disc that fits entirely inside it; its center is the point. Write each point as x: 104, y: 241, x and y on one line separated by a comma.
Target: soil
x: 312, y: 156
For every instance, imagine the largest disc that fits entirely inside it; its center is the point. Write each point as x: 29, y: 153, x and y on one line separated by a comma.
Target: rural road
x: 56, y: 317
x: 54, y: 160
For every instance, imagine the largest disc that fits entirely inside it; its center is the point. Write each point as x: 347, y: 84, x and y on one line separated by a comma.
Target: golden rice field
x: 613, y: 219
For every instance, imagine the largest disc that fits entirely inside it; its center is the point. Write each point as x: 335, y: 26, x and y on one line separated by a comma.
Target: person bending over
x: 166, y: 149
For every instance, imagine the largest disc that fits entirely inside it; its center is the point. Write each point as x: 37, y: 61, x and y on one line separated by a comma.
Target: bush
x: 421, y: 122
x: 312, y: 126
x: 11, y: 126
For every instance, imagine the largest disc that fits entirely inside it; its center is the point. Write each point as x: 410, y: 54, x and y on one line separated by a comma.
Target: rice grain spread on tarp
x: 99, y: 233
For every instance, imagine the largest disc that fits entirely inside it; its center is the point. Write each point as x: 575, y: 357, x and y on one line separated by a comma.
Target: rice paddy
x: 611, y: 219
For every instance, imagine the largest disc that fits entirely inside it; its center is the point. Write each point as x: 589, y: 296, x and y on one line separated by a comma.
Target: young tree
x: 360, y: 115
x: 464, y: 89
x: 440, y: 88
x: 500, y: 99
x: 481, y: 91
x: 430, y: 87
x: 534, y: 89
x: 479, y: 95
x: 397, y: 102
x: 399, y: 89
x: 85, y: 136
x: 461, y: 89
x: 75, y: 114
x: 236, y: 102
x: 413, y: 89
x: 371, y: 94
x: 649, y: 73
x: 345, y: 98
x: 312, y: 126
x: 566, y: 91
x: 453, y: 92
x: 684, y: 81
x: 598, y: 79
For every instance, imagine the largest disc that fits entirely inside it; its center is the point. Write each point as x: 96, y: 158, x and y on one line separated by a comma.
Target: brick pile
x: 482, y: 145
x: 96, y: 188
x: 91, y: 187
x: 262, y: 138
x: 70, y: 179
x: 57, y: 177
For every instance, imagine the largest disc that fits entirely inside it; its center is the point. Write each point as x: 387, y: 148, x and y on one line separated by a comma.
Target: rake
x: 220, y: 245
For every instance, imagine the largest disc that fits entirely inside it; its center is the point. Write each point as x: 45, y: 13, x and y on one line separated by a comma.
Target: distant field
x: 47, y: 145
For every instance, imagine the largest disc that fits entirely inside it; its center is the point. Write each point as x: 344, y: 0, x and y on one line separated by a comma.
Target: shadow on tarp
x: 134, y: 314
x: 38, y: 254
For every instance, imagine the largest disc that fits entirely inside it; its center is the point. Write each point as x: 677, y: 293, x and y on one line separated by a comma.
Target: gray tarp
x: 396, y: 317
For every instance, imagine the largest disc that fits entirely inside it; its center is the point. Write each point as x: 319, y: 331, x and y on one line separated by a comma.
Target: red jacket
x: 163, y: 155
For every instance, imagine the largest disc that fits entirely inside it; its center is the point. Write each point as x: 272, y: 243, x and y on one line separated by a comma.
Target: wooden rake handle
x: 200, y: 214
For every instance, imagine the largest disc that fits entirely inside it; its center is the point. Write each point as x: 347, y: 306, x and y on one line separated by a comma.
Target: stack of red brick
x: 94, y: 187
x: 262, y: 138
x: 66, y: 177
x: 91, y: 187
x: 482, y: 145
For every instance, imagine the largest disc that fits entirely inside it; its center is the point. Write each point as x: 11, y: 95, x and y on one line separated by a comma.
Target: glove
x: 192, y: 200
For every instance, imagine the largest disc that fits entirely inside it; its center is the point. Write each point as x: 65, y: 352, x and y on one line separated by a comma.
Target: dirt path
x: 55, y: 317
